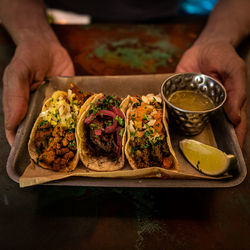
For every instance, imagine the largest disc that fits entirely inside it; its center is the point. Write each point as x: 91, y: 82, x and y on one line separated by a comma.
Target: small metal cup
x: 186, y: 121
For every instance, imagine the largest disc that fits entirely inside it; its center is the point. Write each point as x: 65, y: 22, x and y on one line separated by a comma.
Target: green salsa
x: 191, y: 100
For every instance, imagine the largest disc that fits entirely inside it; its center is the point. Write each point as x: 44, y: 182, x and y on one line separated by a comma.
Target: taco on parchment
x: 52, y: 142
x: 102, y: 134
x: 148, y: 142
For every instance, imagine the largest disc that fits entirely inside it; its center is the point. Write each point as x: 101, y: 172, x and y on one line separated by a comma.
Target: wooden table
x: 51, y: 217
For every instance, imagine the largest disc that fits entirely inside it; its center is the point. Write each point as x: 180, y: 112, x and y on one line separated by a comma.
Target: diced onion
x: 150, y: 107
x: 145, y: 99
x: 150, y: 97
x: 154, y: 113
x: 151, y: 122
x: 69, y: 93
x: 158, y: 99
x: 131, y: 127
x: 44, y: 113
x: 61, y: 110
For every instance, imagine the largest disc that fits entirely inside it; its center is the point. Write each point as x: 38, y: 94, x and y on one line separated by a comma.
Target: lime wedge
x: 207, y: 159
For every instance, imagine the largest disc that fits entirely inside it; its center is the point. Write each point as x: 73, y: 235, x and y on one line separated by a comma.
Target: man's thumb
x: 15, y: 99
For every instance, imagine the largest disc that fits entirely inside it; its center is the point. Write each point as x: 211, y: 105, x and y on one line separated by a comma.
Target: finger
x: 241, y: 128
x: 69, y: 70
x: 189, y: 61
x: 185, y: 65
x: 180, y: 68
x: 62, y: 64
x: 66, y: 70
x: 235, y: 85
x: 15, y: 98
x: 10, y: 135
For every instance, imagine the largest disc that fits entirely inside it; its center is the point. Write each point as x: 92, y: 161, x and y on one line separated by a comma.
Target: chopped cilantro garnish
x: 38, y: 151
x: 148, y: 132
x: 92, y: 125
x: 71, y: 130
x: 135, y: 105
x: 42, y: 123
x: 105, y: 103
x: 133, y: 150
x: 120, y: 120
x: 108, y: 122
x: 72, y: 143
x: 145, y: 117
x: 131, y: 117
x: 157, y: 141
x: 121, y: 132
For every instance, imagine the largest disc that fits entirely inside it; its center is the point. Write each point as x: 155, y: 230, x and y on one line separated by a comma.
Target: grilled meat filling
x: 103, y: 144
x: 148, y: 141
x: 104, y: 127
x: 56, y: 146
x: 80, y: 96
x: 146, y: 154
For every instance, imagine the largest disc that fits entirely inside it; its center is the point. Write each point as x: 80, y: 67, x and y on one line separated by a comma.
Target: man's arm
x: 38, y: 54
x: 229, y: 21
x: 214, y: 54
x: 25, y: 19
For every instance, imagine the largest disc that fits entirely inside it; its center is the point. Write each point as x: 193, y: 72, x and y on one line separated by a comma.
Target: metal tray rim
x: 138, y: 183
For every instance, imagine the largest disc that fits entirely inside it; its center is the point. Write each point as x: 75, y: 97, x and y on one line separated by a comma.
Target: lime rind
x: 207, y: 159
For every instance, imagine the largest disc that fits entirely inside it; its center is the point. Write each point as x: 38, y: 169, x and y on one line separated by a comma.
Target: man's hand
x: 220, y: 60
x: 33, y: 61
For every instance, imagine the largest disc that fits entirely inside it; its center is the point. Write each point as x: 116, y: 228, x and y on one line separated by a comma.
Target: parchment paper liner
x: 34, y: 174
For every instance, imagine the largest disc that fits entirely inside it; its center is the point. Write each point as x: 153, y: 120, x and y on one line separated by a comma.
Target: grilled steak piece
x: 147, y: 155
x: 103, y: 144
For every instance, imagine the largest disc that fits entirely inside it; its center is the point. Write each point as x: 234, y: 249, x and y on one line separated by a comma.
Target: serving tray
x: 223, y: 135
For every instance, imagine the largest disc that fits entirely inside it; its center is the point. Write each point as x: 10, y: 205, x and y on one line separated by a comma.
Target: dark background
x: 53, y: 217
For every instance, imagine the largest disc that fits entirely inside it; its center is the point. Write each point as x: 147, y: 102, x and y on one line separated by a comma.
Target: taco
x: 52, y: 142
x: 101, y: 132
x: 148, y: 143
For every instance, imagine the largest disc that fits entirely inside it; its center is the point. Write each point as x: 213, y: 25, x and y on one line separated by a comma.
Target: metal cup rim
x: 189, y: 111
